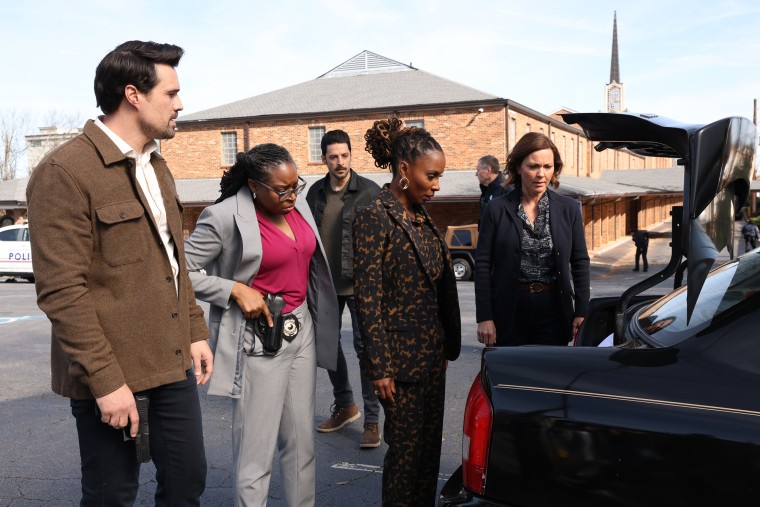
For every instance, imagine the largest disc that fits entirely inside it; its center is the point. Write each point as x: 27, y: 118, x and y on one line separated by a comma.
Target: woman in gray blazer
x: 260, y: 238
x: 531, y: 246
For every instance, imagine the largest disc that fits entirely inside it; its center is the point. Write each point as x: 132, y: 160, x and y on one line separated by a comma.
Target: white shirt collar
x: 120, y: 143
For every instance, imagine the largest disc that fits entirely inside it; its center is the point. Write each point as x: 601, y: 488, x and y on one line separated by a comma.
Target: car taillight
x: 478, y: 418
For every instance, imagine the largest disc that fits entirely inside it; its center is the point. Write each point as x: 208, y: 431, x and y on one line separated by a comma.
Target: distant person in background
x: 532, y: 270
x: 750, y: 233
x: 491, y: 181
x: 641, y: 240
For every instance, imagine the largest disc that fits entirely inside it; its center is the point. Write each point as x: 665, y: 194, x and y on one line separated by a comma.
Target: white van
x: 16, y: 252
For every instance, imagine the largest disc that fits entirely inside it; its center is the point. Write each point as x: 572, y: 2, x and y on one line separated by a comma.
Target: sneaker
x: 370, y: 437
x: 339, y: 418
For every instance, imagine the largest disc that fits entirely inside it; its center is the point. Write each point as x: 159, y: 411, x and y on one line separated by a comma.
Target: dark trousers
x: 538, y: 321
x: 342, y: 391
x: 641, y: 253
x: 413, y: 428
x: 110, y: 469
x: 750, y: 243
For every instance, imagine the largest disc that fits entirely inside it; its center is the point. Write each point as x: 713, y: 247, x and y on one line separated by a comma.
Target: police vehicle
x: 16, y: 252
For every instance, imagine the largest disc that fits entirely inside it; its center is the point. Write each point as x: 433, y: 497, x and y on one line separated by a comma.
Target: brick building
x: 468, y: 124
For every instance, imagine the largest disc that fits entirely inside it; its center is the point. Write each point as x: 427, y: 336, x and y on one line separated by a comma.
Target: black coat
x: 497, y: 261
x: 361, y: 192
x: 491, y: 191
x: 641, y: 239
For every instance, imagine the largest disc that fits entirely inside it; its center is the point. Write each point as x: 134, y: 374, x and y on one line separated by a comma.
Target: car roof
x: 15, y: 226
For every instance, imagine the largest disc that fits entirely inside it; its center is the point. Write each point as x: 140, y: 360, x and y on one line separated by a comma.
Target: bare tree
x: 13, y: 126
x: 59, y: 127
x: 64, y: 120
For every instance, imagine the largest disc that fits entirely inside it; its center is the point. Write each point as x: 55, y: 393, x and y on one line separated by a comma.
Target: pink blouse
x: 285, y: 262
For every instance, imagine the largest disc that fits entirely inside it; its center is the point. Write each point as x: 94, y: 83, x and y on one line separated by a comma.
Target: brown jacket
x: 408, y: 322
x: 102, y: 275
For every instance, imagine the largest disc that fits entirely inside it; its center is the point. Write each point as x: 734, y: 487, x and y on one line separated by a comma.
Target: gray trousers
x: 276, y: 409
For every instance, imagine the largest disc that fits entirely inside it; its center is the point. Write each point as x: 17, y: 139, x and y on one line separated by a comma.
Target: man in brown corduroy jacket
x: 108, y: 254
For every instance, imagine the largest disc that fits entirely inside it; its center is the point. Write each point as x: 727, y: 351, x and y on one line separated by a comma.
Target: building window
x: 229, y: 147
x: 512, y: 132
x: 564, y: 149
x: 527, y: 128
x: 572, y: 153
x: 315, y: 143
x: 581, y: 153
x: 420, y: 124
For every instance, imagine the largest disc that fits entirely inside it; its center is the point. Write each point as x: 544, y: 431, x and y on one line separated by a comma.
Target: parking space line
x: 11, y: 320
x: 358, y: 467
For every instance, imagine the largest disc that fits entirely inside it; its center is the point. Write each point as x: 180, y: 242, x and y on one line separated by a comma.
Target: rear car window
x: 732, y: 287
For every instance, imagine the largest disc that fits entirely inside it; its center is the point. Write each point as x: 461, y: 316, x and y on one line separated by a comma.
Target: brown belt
x: 537, y: 286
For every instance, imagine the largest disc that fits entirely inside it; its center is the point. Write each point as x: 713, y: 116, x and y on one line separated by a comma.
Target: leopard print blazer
x: 409, y: 321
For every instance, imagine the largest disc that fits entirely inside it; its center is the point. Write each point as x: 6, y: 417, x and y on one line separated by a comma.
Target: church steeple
x: 615, y: 65
x: 614, y: 97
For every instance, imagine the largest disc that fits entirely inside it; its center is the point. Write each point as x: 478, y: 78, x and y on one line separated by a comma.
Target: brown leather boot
x: 339, y: 418
x: 371, y: 436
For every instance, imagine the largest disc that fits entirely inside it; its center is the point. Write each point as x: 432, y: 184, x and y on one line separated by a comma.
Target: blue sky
x: 693, y: 61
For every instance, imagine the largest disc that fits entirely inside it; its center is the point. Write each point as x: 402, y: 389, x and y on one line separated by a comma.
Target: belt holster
x: 286, y: 326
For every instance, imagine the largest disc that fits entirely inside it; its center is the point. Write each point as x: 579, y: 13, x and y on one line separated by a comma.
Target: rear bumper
x: 454, y: 494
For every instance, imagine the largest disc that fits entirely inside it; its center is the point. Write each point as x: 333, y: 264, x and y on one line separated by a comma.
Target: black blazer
x: 404, y: 316
x: 497, y: 261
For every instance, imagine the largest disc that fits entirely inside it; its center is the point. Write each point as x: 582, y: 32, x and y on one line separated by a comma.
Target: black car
x: 669, y: 415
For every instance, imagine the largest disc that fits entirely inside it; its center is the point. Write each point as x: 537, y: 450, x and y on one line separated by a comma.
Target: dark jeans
x: 344, y: 394
x: 750, y: 243
x: 110, y: 469
x: 641, y: 253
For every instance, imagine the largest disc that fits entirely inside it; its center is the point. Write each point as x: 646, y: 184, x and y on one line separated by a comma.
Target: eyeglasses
x: 284, y: 195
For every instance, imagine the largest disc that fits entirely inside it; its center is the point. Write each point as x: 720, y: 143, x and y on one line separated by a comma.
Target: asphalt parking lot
x: 39, y: 465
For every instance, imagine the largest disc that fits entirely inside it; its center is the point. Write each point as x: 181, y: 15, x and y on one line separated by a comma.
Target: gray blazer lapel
x: 248, y: 227
x: 303, y: 208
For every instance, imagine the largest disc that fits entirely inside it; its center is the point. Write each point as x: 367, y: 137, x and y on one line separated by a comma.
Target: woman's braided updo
x: 255, y: 164
x: 389, y: 142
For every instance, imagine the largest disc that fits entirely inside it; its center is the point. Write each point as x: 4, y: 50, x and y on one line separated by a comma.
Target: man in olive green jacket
x: 107, y: 250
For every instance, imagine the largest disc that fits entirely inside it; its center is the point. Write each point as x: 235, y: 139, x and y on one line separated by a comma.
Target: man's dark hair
x: 133, y: 62
x: 335, y: 137
x: 490, y: 161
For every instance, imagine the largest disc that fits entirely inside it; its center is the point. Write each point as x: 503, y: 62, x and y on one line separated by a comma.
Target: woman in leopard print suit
x: 407, y: 307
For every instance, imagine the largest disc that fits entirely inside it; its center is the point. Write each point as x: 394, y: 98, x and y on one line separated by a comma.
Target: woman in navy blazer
x: 531, y: 246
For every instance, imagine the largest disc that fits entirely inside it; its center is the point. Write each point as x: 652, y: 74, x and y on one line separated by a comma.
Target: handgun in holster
x: 285, y: 326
